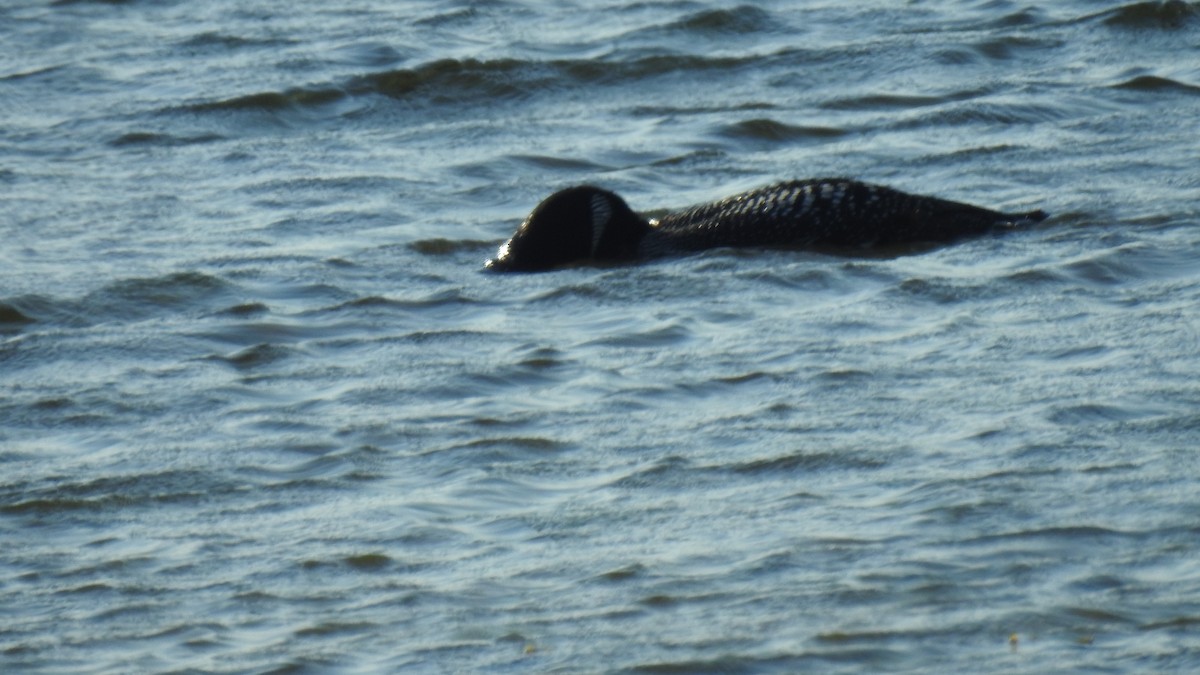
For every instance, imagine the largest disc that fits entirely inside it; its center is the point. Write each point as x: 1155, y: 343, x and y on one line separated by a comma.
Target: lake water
x: 261, y: 410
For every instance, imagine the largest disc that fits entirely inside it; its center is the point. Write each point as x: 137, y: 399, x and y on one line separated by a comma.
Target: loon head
x: 572, y: 225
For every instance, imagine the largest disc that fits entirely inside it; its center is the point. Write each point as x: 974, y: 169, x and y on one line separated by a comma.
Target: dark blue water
x: 261, y: 410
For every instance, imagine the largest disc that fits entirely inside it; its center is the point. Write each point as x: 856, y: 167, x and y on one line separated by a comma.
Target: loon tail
x: 1020, y: 220
x: 1028, y: 217
x: 944, y: 220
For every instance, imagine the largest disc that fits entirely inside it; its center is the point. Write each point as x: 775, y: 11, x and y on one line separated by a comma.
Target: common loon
x: 586, y: 223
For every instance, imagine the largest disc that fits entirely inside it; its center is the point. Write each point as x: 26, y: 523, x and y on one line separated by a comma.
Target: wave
x: 36, y: 72
x: 257, y: 356
x: 1154, y: 83
x: 1169, y: 14
x: 141, y: 138
x: 466, y: 80
x: 215, y: 39
x: 736, y: 20
x: 984, y: 112
x: 766, y: 129
x: 124, y: 299
x: 142, y: 297
x: 439, y: 247
x: 148, y: 489
x: 273, y: 100
x: 11, y: 317
x: 63, y: 3
x: 885, y: 102
x: 807, y: 462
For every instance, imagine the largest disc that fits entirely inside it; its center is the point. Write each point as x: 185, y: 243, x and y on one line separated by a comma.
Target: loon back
x: 587, y: 223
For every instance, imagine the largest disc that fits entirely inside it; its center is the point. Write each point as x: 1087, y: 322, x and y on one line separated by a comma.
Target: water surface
x: 261, y: 410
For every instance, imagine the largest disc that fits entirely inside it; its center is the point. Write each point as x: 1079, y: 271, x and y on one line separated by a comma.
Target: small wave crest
x: 1169, y: 14
x: 142, y: 297
x: 224, y: 41
x: 12, y: 318
x: 884, y: 102
x: 144, y: 138
x: 446, y: 81
x: 65, y: 3
x: 272, y: 101
x: 772, y: 131
x: 148, y: 489
x: 256, y: 356
x: 121, y: 300
x: 443, y: 81
x: 439, y: 247
x: 736, y: 20
x: 1154, y: 83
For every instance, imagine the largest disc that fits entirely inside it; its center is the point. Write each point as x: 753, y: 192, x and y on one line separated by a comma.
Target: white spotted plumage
x: 831, y: 211
x: 825, y: 212
x: 601, y: 213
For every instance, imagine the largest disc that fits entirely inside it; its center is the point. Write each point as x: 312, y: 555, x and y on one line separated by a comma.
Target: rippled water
x: 261, y: 410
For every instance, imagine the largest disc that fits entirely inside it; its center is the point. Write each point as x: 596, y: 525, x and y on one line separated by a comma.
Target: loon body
x: 590, y: 224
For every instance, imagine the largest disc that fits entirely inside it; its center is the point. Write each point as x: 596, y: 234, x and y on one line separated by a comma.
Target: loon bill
x: 590, y: 224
